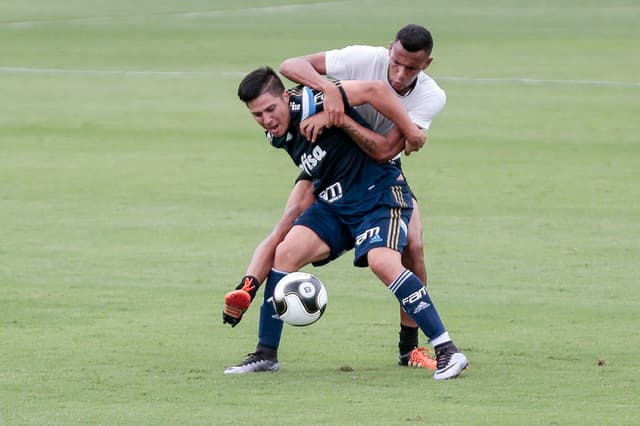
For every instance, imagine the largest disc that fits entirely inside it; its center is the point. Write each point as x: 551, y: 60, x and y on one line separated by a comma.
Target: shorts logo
x: 373, y: 233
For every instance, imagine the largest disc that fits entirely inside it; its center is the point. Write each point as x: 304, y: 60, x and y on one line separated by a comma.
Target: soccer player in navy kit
x: 359, y: 203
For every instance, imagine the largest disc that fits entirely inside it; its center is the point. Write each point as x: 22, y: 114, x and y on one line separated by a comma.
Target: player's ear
x: 391, y: 46
x: 427, y: 62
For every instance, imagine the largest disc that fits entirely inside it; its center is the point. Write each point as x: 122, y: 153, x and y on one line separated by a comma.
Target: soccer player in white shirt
x: 402, y: 65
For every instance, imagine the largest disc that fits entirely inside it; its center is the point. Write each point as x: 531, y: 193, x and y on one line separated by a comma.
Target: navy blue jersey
x: 342, y: 174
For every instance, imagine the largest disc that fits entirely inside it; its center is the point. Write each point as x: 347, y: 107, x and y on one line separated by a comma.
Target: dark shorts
x: 383, y: 226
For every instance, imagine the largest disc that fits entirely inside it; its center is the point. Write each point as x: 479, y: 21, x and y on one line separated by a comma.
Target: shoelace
x: 443, y: 356
x: 252, y: 358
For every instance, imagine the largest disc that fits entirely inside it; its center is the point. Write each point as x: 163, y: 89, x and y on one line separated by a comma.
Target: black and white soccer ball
x: 300, y: 298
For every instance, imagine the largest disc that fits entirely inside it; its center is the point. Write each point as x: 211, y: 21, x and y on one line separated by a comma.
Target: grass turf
x: 131, y: 202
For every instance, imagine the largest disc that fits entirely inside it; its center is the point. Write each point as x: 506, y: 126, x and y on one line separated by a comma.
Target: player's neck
x: 407, y: 90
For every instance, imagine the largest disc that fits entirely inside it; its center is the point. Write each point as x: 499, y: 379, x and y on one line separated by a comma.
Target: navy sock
x: 270, y: 327
x: 415, y: 301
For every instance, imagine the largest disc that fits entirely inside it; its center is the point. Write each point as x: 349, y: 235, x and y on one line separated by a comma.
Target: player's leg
x: 410, y: 353
x: 300, y: 247
x: 408, y: 288
x: 413, y: 253
x: 415, y: 300
x: 316, y: 238
x: 237, y: 301
x: 413, y: 259
x: 382, y: 236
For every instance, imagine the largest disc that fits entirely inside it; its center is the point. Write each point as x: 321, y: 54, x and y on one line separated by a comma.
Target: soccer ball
x: 300, y: 298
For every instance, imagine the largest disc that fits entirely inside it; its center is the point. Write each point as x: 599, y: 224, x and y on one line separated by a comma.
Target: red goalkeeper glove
x: 237, y: 302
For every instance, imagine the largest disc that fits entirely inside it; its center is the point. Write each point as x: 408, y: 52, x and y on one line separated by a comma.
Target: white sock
x: 443, y: 338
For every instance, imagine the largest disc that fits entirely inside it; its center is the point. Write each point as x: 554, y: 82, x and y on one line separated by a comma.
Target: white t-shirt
x: 422, y: 103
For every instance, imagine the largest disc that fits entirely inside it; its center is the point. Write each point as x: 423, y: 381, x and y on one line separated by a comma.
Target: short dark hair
x: 414, y: 38
x: 259, y: 81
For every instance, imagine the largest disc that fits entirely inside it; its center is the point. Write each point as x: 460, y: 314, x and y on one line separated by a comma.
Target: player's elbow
x: 383, y: 155
x: 389, y: 151
x: 285, y: 66
x: 386, y: 157
x: 288, y: 66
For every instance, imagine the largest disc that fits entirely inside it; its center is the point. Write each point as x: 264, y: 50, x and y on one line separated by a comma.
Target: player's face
x: 404, y: 66
x: 271, y: 112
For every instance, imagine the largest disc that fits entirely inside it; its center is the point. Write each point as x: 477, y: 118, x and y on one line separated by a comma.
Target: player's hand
x: 313, y: 126
x: 415, y: 142
x: 333, y: 105
x: 237, y: 302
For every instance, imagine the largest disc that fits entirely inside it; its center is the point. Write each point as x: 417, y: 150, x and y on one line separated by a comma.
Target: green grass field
x: 134, y: 188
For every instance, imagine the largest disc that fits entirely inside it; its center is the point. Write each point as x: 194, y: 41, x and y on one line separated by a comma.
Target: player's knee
x: 385, y: 263
x: 287, y: 257
x: 375, y: 263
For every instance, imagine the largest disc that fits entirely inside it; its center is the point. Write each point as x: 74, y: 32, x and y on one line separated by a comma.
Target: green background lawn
x: 134, y: 187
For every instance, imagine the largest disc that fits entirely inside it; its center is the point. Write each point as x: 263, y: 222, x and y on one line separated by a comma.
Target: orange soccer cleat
x: 422, y: 357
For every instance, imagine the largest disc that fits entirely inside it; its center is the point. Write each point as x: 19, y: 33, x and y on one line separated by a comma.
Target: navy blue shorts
x: 383, y: 226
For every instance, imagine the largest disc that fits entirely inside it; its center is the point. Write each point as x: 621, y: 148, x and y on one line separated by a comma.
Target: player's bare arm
x: 300, y: 197
x: 237, y: 301
x: 381, y: 148
x: 378, y: 94
x: 310, y: 70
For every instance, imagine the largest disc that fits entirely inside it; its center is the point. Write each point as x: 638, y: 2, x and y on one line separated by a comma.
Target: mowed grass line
x: 129, y: 205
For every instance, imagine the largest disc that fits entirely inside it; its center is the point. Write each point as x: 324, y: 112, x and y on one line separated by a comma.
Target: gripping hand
x: 236, y: 302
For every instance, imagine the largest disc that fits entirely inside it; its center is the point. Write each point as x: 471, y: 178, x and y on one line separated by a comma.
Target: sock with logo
x: 270, y: 327
x: 415, y: 301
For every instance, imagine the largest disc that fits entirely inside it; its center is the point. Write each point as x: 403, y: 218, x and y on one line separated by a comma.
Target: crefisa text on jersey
x: 310, y: 160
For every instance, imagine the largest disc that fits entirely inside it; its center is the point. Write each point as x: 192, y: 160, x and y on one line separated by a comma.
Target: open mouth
x: 274, y: 130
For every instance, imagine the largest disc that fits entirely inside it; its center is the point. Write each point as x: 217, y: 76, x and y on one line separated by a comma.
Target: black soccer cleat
x: 254, y: 363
